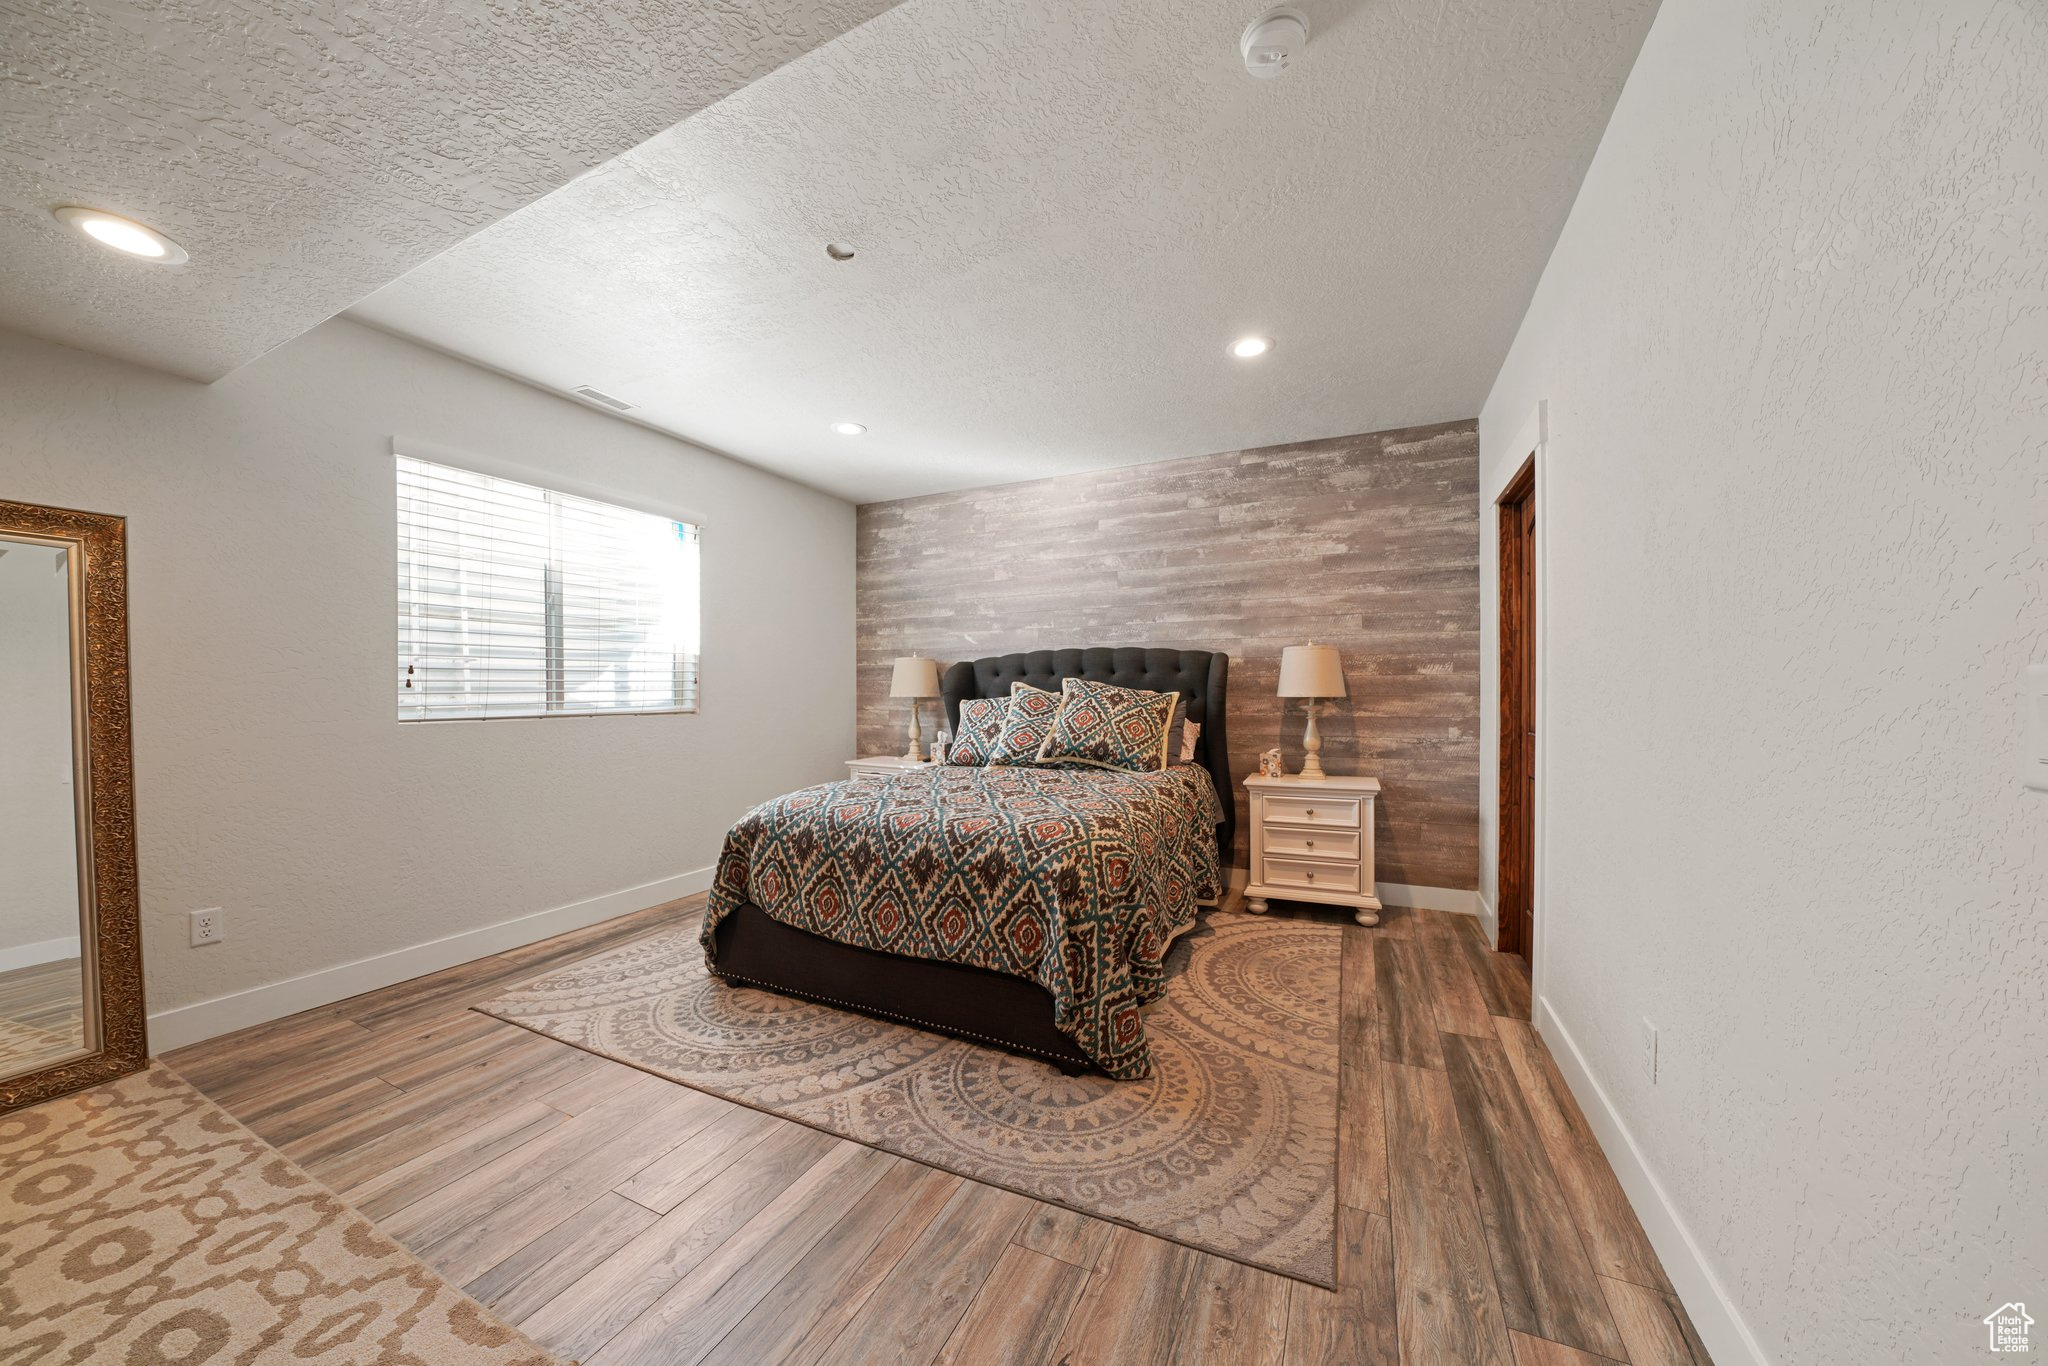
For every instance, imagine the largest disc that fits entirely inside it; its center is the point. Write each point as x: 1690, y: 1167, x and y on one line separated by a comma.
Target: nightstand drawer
x: 1304, y: 873
x: 1309, y: 842
x: 1313, y: 810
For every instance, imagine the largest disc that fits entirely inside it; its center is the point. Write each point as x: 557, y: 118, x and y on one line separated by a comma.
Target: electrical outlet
x: 208, y: 927
x: 1649, y: 1051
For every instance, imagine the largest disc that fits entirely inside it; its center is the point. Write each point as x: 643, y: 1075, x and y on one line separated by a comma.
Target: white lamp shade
x: 1311, y: 671
x: 915, y: 677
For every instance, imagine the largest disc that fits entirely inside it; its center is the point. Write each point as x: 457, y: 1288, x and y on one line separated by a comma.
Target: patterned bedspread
x: 1076, y: 879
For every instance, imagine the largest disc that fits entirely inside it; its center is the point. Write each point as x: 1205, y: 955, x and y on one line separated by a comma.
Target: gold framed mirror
x: 71, y: 1003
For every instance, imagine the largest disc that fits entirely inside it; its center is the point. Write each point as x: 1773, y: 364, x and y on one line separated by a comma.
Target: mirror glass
x: 43, y: 939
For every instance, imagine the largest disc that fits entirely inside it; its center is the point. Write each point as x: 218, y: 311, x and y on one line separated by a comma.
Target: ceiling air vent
x: 599, y: 396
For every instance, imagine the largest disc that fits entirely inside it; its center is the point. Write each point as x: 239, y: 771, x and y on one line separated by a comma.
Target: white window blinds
x: 519, y: 601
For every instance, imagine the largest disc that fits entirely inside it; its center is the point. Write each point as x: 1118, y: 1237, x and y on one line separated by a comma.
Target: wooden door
x: 1518, y: 713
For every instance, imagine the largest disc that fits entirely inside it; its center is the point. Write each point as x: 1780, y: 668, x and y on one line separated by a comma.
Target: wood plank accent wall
x: 1369, y: 543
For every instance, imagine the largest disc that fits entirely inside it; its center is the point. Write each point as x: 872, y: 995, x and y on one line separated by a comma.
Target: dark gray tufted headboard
x: 1200, y: 676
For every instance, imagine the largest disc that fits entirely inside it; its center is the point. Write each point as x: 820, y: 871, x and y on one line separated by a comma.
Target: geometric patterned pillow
x: 1106, y: 726
x: 981, y: 724
x: 1026, y: 722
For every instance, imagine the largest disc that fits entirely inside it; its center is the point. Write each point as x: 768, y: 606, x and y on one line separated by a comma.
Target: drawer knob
x: 1311, y: 813
x: 1311, y: 877
x: 1311, y: 844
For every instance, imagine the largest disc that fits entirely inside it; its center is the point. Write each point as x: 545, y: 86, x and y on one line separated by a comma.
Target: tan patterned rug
x: 1230, y: 1146
x: 140, y: 1224
x: 23, y: 1046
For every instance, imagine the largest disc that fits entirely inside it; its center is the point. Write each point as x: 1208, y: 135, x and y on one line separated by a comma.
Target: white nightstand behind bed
x: 879, y: 765
x: 1312, y: 841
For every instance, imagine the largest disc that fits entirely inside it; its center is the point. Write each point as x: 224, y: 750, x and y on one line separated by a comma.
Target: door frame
x: 1515, y: 503
x: 1531, y: 447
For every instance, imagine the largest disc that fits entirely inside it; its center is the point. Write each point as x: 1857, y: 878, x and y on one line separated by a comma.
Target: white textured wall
x: 1794, y: 341
x: 273, y: 777
x: 38, y: 856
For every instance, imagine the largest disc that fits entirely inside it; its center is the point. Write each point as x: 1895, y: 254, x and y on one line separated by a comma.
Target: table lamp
x: 915, y: 678
x: 1315, y: 672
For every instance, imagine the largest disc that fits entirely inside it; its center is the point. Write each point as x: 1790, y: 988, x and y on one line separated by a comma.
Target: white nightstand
x: 1312, y: 841
x: 880, y: 765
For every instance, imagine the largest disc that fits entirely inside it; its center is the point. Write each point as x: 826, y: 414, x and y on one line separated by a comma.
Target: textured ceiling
x: 1063, y: 211
x: 306, y: 154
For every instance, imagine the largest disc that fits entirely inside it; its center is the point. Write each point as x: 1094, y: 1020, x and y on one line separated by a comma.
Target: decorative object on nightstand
x: 881, y: 765
x: 1270, y: 765
x: 1315, y: 672
x: 915, y: 678
x: 1312, y: 841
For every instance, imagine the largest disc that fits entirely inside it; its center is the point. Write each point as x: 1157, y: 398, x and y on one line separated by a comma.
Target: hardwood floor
x: 621, y: 1218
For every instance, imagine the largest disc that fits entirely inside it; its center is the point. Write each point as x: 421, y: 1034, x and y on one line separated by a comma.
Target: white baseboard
x: 1489, y: 919
x: 238, y: 1010
x: 1429, y: 898
x: 1713, y: 1310
x: 32, y: 955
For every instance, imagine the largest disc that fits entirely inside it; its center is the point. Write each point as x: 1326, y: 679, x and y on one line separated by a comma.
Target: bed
x: 1052, y: 893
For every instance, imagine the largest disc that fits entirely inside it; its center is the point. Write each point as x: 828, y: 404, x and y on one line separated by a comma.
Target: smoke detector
x: 1272, y: 41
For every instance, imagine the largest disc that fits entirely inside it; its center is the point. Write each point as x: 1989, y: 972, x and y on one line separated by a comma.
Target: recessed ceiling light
x: 848, y: 428
x: 1244, y: 348
x: 122, y: 234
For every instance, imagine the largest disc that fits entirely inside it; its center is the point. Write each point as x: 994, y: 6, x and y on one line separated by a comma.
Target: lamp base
x: 915, y: 754
x: 1312, y: 745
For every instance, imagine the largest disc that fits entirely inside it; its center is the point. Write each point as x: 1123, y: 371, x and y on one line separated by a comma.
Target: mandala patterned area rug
x: 1230, y: 1146
x: 139, y: 1223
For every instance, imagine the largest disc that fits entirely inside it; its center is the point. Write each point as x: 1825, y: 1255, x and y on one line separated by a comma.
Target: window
x: 519, y: 601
